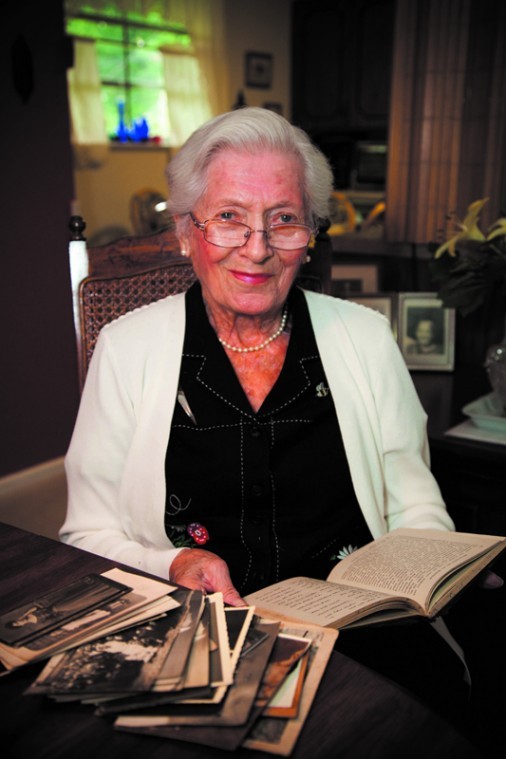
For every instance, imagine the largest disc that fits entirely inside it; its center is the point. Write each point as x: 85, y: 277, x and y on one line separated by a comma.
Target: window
x: 131, y: 57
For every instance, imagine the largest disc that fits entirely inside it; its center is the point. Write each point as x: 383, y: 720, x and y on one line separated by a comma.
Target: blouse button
x: 255, y: 432
x: 257, y: 491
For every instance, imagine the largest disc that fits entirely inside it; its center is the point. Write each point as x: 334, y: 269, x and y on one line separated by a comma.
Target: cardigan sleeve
x: 412, y: 495
x: 382, y: 421
x: 109, y: 511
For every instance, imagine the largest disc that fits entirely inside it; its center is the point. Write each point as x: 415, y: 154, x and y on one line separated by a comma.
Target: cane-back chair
x: 110, y: 280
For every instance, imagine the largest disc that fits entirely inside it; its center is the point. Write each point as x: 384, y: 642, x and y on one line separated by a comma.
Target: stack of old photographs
x: 90, y: 607
x: 200, y: 672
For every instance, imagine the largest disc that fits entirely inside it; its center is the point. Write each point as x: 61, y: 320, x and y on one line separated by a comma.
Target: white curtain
x: 204, y: 20
x: 89, y: 136
x: 187, y: 99
x: 88, y: 125
x: 197, y: 84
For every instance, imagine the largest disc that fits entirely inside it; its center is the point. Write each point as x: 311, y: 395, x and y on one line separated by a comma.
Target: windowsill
x: 142, y: 146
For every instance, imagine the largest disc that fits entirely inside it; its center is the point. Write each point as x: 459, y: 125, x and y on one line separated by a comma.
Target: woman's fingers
x: 202, y: 570
x: 490, y: 581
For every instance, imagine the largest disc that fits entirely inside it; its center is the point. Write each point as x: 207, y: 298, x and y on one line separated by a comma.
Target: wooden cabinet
x: 342, y: 66
x: 470, y: 473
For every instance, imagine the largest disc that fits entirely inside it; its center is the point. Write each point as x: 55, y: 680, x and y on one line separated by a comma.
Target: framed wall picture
x: 354, y: 279
x: 276, y: 107
x: 426, y: 332
x: 258, y: 70
x: 382, y: 302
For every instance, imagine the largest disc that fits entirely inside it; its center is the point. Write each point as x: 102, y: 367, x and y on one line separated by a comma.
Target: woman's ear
x: 182, y: 234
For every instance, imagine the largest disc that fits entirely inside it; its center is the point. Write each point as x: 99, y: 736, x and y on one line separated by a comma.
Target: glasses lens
x: 289, y: 236
x: 227, y: 234
x: 234, y: 234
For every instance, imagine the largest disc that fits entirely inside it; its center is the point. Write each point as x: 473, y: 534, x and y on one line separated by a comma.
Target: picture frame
x: 276, y: 107
x: 426, y: 332
x: 258, y: 69
x: 384, y: 303
x: 352, y: 280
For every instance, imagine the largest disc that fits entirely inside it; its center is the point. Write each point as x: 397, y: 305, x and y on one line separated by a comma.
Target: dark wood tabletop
x: 356, y: 713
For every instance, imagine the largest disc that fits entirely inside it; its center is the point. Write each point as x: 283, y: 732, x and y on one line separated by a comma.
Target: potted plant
x: 469, y: 270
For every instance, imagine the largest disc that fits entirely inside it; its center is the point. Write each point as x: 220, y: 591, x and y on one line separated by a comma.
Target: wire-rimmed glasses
x: 235, y: 234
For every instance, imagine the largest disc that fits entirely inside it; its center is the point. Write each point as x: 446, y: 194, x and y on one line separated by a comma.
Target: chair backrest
x: 112, y: 279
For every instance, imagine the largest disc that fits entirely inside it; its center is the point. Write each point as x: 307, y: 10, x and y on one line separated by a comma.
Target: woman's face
x: 425, y: 332
x: 258, y: 190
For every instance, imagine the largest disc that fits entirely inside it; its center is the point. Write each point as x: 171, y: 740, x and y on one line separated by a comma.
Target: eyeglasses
x: 235, y: 234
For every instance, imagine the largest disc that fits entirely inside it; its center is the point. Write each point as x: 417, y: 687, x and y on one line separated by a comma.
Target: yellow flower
x: 497, y: 229
x: 467, y: 229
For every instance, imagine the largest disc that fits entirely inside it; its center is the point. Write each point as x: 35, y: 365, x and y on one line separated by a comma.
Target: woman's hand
x: 202, y: 570
x: 490, y: 581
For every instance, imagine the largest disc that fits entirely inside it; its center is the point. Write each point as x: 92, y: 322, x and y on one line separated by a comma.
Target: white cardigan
x: 115, y: 464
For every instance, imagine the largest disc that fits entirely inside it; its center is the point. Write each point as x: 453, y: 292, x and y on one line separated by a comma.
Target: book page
x: 316, y: 601
x: 410, y: 562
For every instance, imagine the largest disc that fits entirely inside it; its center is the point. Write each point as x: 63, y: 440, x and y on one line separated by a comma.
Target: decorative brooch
x: 343, y: 553
x: 187, y: 536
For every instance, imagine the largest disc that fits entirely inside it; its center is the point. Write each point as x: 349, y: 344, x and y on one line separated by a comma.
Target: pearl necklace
x: 253, y: 348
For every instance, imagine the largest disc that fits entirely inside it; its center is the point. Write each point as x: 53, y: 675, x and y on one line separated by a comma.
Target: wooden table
x: 356, y: 713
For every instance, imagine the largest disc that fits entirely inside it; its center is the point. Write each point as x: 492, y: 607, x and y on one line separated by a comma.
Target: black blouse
x: 270, y: 492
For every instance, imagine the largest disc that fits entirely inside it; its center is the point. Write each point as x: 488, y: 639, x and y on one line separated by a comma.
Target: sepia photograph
x: 426, y: 332
x: 35, y: 619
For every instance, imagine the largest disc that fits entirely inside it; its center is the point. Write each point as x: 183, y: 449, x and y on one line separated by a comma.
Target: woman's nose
x: 257, y: 247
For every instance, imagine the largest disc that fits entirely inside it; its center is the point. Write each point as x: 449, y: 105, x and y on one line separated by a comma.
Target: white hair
x: 251, y: 130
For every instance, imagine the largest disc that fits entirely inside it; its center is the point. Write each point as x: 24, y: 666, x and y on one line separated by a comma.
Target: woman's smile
x: 250, y: 278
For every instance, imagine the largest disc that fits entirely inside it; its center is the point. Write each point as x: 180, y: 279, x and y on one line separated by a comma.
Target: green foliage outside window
x: 130, y: 62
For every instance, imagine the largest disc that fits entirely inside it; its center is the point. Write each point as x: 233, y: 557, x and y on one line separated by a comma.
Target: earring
x: 184, y: 252
x: 307, y: 259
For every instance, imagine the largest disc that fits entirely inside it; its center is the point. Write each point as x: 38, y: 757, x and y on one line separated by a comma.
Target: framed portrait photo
x: 276, y: 107
x: 349, y: 280
x: 258, y: 70
x: 382, y: 302
x: 426, y: 332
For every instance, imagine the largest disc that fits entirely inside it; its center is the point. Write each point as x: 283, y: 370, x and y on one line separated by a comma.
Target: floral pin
x: 187, y: 536
x: 198, y: 532
x: 343, y: 553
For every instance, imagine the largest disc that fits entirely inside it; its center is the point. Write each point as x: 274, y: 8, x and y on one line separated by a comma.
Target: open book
x: 408, y: 572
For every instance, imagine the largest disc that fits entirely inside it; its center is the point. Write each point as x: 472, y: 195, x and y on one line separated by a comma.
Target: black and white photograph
x: 123, y: 662
x: 426, y: 332
x: 32, y: 620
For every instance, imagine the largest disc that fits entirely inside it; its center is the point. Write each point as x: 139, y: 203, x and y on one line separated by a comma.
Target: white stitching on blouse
x: 206, y: 429
x: 276, y: 541
x: 262, y: 421
x: 243, y: 413
x: 241, y: 520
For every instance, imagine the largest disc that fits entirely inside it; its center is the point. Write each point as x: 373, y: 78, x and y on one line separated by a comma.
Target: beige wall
x: 103, y: 194
x: 262, y: 26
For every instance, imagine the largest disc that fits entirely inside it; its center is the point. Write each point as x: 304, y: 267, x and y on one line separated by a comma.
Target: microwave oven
x: 369, y: 165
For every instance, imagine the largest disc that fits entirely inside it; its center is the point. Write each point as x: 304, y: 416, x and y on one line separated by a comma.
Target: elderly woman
x: 247, y: 431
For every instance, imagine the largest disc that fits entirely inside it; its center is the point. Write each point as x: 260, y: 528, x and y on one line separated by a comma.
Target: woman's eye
x: 285, y: 218
x: 226, y: 215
